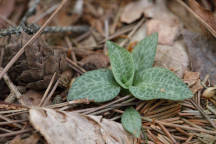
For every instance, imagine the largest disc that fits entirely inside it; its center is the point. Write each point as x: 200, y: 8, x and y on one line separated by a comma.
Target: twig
x: 167, y: 132
x: 51, y: 93
x: 73, y: 56
x: 31, y: 11
x: 48, y: 89
x: 132, y: 33
x: 211, y: 109
x: 13, y: 89
x: 203, y: 113
x: 118, y: 33
x: 12, y: 122
x: 33, y: 28
x: 106, y: 30
x: 9, y: 120
x: 1, y: 56
x: 108, y: 104
x: 75, y: 66
x: 180, y: 126
x: 36, y: 35
x: 45, y: 13
x: 197, y: 17
x: 15, y: 133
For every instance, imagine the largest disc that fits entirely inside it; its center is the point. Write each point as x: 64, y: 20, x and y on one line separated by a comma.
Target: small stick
x: 164, y: 139
x: 5, y: 130
x: 203, y: 113
x: 45, y: 13
x: 182, y: 131
x: 36, y: 35
x: 153, y: 137
x: 191, y: 124
x: 140, y: 106
x: 71, y: 49
x: 9, y: 120
x: 189, y: 139
x: 30, y: 12
x: 75, y: 66
x: 108, y: 104
x: 51, y: 93
x: 211, y: 109
x: 198, y: 17
x: 167, y: 132
x: 14, y: 90
x: 106, y: 30
x: 12, y: 122
x: 180, y: 126
x: 48, y: 89
x: 15, y: 133
x: 132, y: 33
x: 120, y: 32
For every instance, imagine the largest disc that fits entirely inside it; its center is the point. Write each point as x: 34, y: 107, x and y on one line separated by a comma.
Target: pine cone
x: 36, y: 66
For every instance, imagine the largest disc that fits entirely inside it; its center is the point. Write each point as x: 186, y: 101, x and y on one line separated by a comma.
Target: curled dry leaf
x: 65, y: 78
x: 31, y: 98
x: 134, y: 10
x: 95, y: 61
x: 33, y: 139
x: 89, y: 43
x: 168, y: 31
x: 163, y: 21
x: 63, y: 127
x: 191, y: 77
x: 196, y: 87
x: 193, y: 80
x: 150, y: 9
x: 209, y: 92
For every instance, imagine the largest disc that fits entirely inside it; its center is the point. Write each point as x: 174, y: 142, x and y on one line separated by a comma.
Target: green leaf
x: 131, y: 121
x: 159, y: 83
x: 122, y: 64
x: 98, y: 85
x: 144, y: 52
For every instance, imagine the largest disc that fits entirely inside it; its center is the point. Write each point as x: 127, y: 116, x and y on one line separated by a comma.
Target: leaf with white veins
x: 144, y: 52
x: 98, y: 85
x: 131, y: 121
x: 122, y: 64
x: 159, y: 83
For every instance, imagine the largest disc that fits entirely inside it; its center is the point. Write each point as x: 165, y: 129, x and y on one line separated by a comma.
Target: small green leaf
x: 122, y: 64
x: 159, y: 83
x: 131, y: 121
x: 98, y: 85
x: 144, y: 52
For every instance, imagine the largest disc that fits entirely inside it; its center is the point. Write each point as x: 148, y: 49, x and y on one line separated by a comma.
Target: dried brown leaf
x: 33, y: 139
x: 191, y: 77
x: 167, y: 30
x: 173, y: 57
x: 134, y: 10
x: 63, y: 127
x: 95, y: 61
x: 31, y: 98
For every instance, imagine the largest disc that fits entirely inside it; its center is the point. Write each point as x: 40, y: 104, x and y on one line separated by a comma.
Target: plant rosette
x: 134, y: 72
